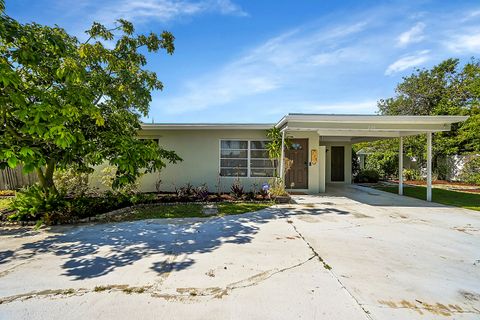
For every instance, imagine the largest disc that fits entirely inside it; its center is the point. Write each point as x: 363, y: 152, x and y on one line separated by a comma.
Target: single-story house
x: 216, y: 154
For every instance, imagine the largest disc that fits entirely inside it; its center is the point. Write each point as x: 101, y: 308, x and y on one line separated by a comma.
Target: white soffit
x: 366, y: 127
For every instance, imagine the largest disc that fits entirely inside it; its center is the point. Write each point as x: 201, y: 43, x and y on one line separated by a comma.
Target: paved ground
x: 390, y: 258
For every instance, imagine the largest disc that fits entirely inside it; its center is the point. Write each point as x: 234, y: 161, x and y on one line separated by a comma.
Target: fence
x: 11, y: 179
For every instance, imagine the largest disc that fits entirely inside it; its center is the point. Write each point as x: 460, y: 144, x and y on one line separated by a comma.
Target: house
x: 216, y: 154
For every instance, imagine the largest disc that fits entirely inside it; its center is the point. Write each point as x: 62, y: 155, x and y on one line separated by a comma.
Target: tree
x: 67, y: 103
x: 446, y: 89
x: 274, y: 146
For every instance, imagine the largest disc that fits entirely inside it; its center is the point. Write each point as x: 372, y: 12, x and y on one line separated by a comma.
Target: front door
x: 297, y: 175
x: 338, y: 164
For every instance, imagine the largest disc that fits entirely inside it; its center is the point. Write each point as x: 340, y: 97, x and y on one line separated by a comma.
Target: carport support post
x: 282, y: 156
x: 400, y: 167
x: 429, y: 166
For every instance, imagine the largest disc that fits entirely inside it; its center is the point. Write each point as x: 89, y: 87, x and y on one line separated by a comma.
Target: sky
x: 255, y: 61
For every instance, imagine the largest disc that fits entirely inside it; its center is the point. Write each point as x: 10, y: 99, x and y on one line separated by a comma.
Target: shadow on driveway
x: 95, y: 250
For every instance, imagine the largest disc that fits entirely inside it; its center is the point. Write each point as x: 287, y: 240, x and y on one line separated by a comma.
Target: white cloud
x: 408, y: 62
x: 465, y: 43
x: 164, y: 10
x: 472, y: 15
x: 413, y: 35
x: 284, y: 59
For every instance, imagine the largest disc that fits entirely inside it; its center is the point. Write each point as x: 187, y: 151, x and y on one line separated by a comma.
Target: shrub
x: 185, y: 192
x: 385, y: 163
x: 31, y: 203
x: 70, y: 182
x: 108, y: 176
x: 471, y: 171
x: 412, y: 174
x: 367, y: 176
x: 201, y: 192
x: 237, y: 189
x: 277, y: 188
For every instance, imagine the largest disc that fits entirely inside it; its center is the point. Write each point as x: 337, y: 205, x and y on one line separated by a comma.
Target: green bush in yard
x: 32, y: 202
x: 371, y: 176
x: 411, y: 174
x: 471, y: 171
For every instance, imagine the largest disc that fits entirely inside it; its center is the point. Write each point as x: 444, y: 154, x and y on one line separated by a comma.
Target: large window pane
x: 228, y: 172
x: 258, y: 144
x: 234, y: 144
x: 260, y: 154
x: 261, y: 163
x: 234, y: 154
x: 233, y: 163
x: 261, y: 172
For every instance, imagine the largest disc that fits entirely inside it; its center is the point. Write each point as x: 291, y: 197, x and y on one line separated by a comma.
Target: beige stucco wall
x: 347, y: 163
x: 200, y: 150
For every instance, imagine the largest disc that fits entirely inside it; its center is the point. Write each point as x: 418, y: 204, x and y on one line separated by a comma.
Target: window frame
x: 249, y: 158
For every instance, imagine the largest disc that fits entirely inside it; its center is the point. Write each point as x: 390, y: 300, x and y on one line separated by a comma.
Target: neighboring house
x: 216, y: 154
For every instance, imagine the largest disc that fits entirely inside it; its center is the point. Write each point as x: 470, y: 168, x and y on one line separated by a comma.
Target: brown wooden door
x: 338, y: 164
x: 297, y: 176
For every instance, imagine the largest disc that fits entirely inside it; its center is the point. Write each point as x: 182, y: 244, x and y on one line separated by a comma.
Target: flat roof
x: 368, y: 118
x: 339, y: 125
x: 207, y: 126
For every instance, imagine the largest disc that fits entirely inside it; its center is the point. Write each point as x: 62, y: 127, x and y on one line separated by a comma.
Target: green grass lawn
x: 193, y: 210
x: 4, y: 203
x: 451, y: 198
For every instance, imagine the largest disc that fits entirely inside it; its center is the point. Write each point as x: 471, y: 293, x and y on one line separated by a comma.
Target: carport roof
x: 365, y: 127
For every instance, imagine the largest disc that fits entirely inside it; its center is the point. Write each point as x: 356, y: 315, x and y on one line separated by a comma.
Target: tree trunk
x: 46, y: 178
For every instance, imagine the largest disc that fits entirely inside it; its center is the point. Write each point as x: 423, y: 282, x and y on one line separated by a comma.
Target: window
x: 260, y: 163
x: 245, y: 158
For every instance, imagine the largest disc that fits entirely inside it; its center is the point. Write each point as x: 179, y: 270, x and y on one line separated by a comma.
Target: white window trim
x: 249, y: 158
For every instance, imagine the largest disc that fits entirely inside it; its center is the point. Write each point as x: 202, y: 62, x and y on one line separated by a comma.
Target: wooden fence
x: 11, y: 179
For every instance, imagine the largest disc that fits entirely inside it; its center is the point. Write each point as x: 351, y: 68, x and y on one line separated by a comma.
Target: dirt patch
x: 421, y: 307
x: 470, y: 296
x: 361, y: 215
x: 308, y: 218
x: 468, y: 229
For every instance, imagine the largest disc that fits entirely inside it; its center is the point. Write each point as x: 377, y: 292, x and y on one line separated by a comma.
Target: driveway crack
x: 182, y: 293
x: 329, y: 269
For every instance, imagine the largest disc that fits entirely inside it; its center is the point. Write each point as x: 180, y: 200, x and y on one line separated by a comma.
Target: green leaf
x: 12, y: 162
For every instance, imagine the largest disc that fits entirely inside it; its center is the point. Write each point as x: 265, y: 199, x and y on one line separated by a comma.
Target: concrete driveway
x: 355, y: 253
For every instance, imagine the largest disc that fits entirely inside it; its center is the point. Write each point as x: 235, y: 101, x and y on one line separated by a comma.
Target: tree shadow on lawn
x: 95, y: 250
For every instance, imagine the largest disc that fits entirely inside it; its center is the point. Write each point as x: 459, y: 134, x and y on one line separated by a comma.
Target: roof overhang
x: 207, y: 126
x: 366, y: 127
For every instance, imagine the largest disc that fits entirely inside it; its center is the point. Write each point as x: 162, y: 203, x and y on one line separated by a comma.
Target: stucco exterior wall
x: 200, y: 151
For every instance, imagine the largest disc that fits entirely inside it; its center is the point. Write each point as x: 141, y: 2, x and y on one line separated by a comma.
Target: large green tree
x: 448, y: 88
x: 71, y: 103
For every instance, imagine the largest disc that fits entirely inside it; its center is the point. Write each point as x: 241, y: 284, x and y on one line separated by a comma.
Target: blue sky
x: 254, y: 61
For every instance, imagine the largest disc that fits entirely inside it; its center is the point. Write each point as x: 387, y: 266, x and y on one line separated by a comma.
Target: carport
x: 324, y: 132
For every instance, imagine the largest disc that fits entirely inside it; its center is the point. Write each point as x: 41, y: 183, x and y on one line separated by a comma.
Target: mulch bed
x: 444, y: 184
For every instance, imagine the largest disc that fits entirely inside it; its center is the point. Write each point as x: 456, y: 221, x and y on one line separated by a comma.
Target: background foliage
x: 449, y: 88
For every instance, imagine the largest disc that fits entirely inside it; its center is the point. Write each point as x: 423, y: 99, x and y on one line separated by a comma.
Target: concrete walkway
x: 355, y: 253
